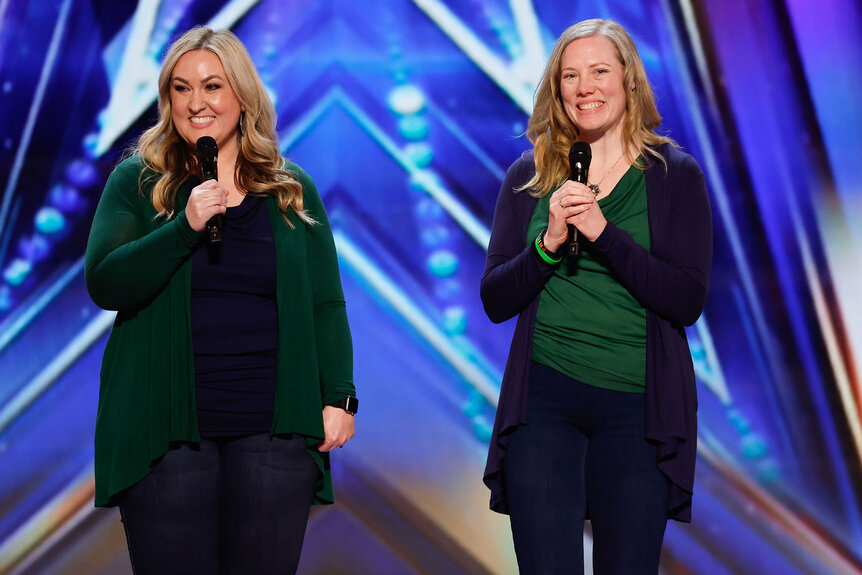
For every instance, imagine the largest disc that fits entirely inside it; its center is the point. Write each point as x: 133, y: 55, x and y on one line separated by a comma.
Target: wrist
x: 543, y: 253
x: 554, y: 244
x: 349, y: 404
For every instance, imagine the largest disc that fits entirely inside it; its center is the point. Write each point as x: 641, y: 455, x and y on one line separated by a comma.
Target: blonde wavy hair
x: 259, y: 164
x: 552, y: 132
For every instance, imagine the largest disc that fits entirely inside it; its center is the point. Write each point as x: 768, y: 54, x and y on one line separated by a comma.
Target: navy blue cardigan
x: 670, y: 282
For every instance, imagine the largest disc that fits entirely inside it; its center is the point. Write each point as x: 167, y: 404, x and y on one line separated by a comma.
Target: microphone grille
x: 580, y: 151
x: 206, y: 147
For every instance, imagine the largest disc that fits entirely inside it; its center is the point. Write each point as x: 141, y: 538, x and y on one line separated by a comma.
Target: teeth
x: 590, y: 106
x: 203, y: 120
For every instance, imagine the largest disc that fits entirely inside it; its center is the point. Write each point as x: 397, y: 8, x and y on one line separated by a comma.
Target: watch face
x: 351, y: 405
x: 348, y: 404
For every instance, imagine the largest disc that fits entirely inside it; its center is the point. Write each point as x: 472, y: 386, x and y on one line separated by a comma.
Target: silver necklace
x: 595, y: 187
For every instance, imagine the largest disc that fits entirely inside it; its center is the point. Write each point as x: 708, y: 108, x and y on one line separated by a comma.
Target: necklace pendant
x: 595, y: 189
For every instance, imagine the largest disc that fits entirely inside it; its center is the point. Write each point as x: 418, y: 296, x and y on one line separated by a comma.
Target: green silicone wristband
x: 540, y: 248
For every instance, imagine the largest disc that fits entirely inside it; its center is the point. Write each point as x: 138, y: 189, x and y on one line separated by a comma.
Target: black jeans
x: 226, y: 507
x: 583, y: 451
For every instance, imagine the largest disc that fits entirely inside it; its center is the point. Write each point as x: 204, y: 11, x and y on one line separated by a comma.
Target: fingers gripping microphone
x: 206, y: 151
x: 579, y: 165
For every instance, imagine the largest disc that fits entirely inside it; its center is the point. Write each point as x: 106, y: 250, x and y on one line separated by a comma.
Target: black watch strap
x: 349, y: 404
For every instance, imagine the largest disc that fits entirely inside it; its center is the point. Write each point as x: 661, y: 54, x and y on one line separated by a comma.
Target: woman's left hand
x: 591, y: 221
x: 337, y: 426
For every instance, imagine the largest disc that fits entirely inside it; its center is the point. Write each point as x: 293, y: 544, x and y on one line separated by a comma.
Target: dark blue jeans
x: 583, y: 451
x: 225, y: 507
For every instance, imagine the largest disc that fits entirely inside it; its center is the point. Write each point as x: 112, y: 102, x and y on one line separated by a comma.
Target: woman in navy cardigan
x: 597, y: 411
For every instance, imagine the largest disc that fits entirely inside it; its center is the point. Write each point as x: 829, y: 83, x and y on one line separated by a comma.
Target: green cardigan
x: 140, y: 265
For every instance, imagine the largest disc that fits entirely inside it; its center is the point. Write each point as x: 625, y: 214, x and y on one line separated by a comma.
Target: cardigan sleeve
x: 331, y: 329
x: 128, y: 262
x: 672, y: 280
x: 513, y: 276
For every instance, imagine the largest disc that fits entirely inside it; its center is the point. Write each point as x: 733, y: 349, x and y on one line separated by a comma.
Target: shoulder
x: 679, y: 171
x: 519, y: 173
x: 300, y: 175
x: 681, y: 184
x: 126, y: 176
x: 524, y: 167
x: 527, y: 157
x: 132, y: 164
x: 677, y: 160
x: 311, y: 200
x: 133, y: 168
x: 128, y: 168
x: 511, y: 202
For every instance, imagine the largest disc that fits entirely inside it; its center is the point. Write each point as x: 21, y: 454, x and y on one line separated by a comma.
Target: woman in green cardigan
x: 227, y: 377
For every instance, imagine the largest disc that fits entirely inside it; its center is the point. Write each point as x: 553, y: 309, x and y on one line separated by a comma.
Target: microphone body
x: 580, y: 156
x: 206, y: 151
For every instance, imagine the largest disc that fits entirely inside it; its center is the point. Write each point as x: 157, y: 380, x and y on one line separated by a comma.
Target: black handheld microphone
x: 206, y: 151
x: 579, y: 165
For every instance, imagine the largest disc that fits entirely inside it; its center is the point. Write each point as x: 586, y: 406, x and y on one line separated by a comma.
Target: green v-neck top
x: 588, y: 326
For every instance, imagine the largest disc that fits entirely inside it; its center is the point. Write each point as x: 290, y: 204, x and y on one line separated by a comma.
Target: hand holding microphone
x: 574, y: 201
x: 206, y: 201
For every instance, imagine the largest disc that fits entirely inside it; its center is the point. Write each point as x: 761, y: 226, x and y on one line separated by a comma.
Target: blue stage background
x: 407, y: 114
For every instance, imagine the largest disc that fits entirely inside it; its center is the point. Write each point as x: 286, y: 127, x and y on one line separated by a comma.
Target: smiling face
x: 203, y: 102
x: 591, y: 87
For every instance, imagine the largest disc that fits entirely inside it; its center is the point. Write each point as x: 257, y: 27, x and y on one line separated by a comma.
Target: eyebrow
x: 204, y: 81
x: 593, y: 65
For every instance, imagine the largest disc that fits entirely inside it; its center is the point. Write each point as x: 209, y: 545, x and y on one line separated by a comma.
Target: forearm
x: 511, y: 283
x: 134, y: 272
x: 334, y: 352
x: 673, y: 290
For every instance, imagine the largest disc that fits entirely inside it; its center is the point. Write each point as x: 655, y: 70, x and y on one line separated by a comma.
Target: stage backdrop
x: 407, y: 114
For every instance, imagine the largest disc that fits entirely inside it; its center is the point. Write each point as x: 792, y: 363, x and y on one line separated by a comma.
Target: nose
x: 196, y: 101
x: 586, y: 86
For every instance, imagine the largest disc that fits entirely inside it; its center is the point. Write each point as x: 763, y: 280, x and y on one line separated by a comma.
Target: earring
x: 241, y: 116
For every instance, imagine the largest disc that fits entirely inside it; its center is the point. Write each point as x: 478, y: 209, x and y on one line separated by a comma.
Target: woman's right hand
x: 205, y: 201
x: 568, y: 201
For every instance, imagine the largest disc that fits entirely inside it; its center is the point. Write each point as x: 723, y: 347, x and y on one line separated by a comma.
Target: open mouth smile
x: 590, y: 106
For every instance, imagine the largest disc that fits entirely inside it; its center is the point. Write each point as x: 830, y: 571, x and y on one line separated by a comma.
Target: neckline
x: 622, y: 179
x: 241, y: 202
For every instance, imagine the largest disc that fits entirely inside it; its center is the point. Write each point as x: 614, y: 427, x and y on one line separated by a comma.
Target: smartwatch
x: 349, y: 404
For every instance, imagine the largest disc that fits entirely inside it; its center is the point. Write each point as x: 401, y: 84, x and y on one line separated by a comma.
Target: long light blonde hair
x: 259, y: 164
x: 552, y: 132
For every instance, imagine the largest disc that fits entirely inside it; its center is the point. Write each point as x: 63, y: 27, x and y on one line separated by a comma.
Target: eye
x: 601, y: 71
x: 213, y: 86
x: 180, y: 88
